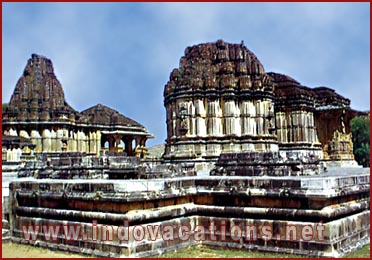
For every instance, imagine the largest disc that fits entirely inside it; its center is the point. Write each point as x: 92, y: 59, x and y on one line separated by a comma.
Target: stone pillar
x: 238, y: 125
x: 14, y: 155
x: 86, y: 142
x: 110, y: 140
x: 245, y: 115
x: 19, y: 154
x: 290, y: 127
x: 92, y: 142
x: 269, y: 117
x: 98, y: 142
x: 169, y: 120
x: 12, y: 132
x: 252, y: 121
x: 117, y: 141
x: 231, y: 117
x: 81, y: 142
x: 36, y: 140
x: 72, y: 142
x: 60, y: 136
x: 174, y: 119
x: 282, y: 127
x: 47, y: 142
x: 8, y: 154
x: 248, y: 113
x: 214, y: 118
x: 259, y: 117
x: 294, y: 126
x: 78, y: 141
x: 311, y: 128
x: 53, y: 138
x: 200, y: 114
x: 24, y: 134
x: 128, y: 146
x: 306, y: 127
x: 192, y: 119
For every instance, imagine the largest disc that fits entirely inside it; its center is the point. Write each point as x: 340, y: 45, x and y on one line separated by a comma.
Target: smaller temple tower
x: 38, y: 112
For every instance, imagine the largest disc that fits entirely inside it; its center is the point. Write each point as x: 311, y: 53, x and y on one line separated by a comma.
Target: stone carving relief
x: 183, y: 117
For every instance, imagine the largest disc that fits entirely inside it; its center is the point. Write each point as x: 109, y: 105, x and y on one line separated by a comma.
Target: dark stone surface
x: 38, y: 95
x: 103, y: 115
x: 38, y: 102
x: 264, y: 164
x: 218, y: 65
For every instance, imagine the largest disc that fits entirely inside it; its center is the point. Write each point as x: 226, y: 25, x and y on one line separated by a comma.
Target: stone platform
x: 186, y: 211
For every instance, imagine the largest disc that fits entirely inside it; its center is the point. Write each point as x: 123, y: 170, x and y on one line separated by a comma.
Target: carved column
x: 47, y: 142
x: 98, y: 142
x: 192, y: 118
x: 174, y: 119
x: 214, y: 118
x: 58, y: 140
x: 259, y: 117
x: 53, y: 137
x: 200, y: 118
x: 231, y: 117
x: 36, y: 140
x: 72, y: 143
x: 128, y: 146
x: 169, y: 121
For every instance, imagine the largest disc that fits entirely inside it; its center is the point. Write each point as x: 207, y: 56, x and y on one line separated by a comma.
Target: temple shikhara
x: 39, y: 112
x: 244, y: 148
x: 221, y: 100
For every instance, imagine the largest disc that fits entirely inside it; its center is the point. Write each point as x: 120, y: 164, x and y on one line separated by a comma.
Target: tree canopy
x: 5, y: 105
x: 360, y: 131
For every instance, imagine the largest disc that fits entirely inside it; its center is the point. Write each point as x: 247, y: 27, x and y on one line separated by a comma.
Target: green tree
x: 5, y: 105
x: 360, y: 131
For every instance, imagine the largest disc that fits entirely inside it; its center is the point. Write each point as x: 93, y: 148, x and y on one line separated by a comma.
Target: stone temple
x: 221, y: 100
x: 252, y: 160
x: 38, y: 111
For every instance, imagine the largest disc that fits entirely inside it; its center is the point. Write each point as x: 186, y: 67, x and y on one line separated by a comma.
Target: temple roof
x: 38, y: 99
x: 103, y: 115
x: 286, y: 86
x: 215, y: 65
x: 291, y: 90
x: 282, y: 79
x: 38, y: 95
x: 328, y: 96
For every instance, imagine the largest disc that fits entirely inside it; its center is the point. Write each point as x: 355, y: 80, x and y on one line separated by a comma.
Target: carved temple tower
x: 218, y: 100
x: 38, y: 112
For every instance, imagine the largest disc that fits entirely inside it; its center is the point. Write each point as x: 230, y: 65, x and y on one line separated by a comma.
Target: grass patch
x: 11, y: 250
x: 211, y: 252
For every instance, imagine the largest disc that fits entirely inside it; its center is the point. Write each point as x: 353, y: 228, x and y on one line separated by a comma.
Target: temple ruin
x: 39, y: 112
x: 244, y: 149
x: 220, y: 100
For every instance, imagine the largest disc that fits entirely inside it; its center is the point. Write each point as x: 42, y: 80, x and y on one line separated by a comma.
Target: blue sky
x: 121, y: 54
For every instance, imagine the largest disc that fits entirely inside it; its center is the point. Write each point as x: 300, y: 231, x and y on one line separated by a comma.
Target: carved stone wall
x: 219, y: 99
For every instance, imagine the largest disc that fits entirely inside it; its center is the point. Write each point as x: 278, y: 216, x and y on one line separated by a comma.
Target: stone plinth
x: 335, y: 203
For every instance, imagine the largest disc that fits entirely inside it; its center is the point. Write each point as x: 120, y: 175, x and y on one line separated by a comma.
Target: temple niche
x: 220, y: 100
x: 38, y: 112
